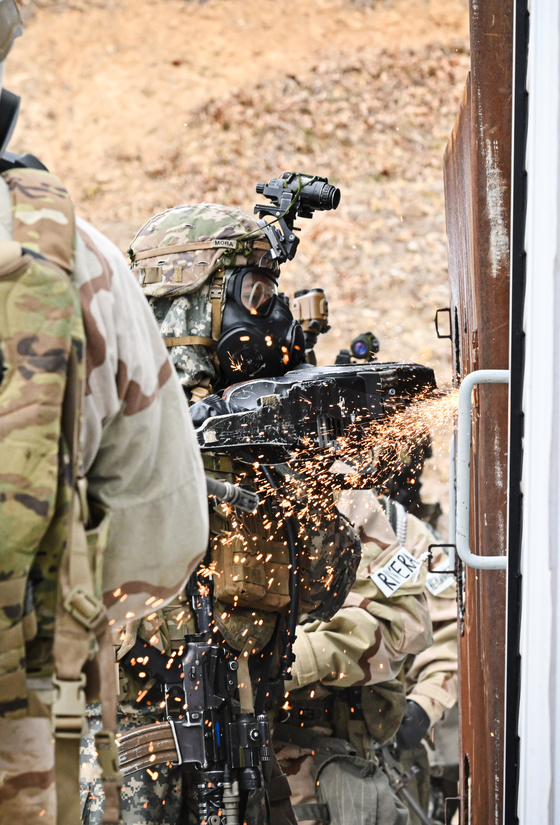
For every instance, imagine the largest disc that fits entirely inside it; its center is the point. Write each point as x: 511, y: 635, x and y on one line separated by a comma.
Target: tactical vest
x: 249, y: 562
x: 51, y: 615
x: 250, y: 557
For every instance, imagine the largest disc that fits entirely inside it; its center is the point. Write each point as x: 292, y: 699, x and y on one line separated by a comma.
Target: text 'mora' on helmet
x: 10, y: 26
x: 176, y: 251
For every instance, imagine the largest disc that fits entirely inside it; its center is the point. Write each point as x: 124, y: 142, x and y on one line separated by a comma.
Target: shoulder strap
x: 43, y: 215
x: 216, y: 295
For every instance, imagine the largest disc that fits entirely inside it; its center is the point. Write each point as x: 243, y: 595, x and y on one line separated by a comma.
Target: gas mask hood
x: 259, y: 337
x: 9, y: 111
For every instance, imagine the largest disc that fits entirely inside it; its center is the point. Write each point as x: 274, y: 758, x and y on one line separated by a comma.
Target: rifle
x: 207, y: 726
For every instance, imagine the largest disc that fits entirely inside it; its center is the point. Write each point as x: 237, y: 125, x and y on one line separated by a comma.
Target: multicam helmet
x: 178, y: 250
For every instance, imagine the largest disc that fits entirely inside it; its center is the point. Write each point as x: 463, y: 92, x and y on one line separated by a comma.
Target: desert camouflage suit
x: 345, y: 675
x: 133, y: 412
x: 432, y: 682
x: 432, y: 676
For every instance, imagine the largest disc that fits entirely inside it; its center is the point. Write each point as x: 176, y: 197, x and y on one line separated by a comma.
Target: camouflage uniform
x: 153, y: 794
x: 189, y: 315
x: 165, y: 629
x: 149, y: 797
x: 362, y: 649
x: 432, y: 676
x: 432, y: 682
x: 150, y: 487
x: 179, y: 286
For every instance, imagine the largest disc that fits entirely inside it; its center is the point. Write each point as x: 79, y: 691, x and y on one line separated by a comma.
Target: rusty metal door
x: 477, y: 170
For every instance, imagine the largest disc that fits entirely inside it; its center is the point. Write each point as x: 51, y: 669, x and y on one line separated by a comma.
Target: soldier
x: 74, y: 323
x: 212, y: 285
x: 212, y: 282
x: 431, y: 683
x: 345, y: 698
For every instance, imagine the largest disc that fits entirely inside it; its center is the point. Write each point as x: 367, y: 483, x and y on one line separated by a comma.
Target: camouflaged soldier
x: 345, y: 697
x: 85, y: 385
x: 432, y: 691
x: 211, y: 281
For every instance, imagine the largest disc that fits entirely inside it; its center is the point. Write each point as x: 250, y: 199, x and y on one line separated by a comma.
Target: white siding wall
x: 539, y: 724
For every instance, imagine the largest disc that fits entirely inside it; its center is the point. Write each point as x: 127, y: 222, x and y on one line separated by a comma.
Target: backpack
x: 51, y: 617
x: 353, y: 789
x: 349, y: 789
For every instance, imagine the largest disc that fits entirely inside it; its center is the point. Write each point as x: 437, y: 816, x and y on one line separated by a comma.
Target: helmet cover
x: 178, y: 250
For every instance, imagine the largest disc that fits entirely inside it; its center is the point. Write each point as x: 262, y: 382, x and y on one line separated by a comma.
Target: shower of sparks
x: 373, y: 452
x: 236, y: 365
x: 208, y: 572
x: 392, y: 441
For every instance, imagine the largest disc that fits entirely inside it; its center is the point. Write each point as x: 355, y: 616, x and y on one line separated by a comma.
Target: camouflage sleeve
x: 434, y: 673
x: 140, y: 454
x: 368, y: 639
x: 432, y: 679
x: 188, y: 315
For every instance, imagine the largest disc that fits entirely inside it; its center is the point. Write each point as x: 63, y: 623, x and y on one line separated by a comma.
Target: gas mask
x: 259, y: 337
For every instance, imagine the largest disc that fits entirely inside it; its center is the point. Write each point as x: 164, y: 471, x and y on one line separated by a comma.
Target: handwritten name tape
x: 437, y: 582
x: 401, y: 568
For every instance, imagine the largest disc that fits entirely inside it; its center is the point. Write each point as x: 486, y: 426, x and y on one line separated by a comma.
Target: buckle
x: 216, y: 292
x: 86, y: 608
x: 69, y: 708
x: 107, y: 756
x: 81, y: 489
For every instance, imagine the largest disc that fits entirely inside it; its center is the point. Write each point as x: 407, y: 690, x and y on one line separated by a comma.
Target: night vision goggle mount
x: 293, y: 195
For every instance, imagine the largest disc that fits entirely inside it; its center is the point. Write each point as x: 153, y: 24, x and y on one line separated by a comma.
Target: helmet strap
x: 216, y: 295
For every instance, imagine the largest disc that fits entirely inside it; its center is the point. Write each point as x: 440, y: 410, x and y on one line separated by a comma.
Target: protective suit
x: 346, y: 697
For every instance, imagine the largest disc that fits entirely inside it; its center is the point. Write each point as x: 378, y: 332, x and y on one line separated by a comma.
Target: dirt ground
x: 139, y: 105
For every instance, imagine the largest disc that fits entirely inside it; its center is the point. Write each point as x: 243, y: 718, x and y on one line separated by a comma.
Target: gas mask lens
x: 256, y: 290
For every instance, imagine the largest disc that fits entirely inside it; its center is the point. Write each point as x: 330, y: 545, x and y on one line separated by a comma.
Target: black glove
x: 414, y: 726
x: 209, y: 407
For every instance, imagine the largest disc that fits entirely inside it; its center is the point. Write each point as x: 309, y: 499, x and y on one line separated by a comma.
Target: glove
x: 414, y: 726
x: 208, y: 407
